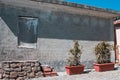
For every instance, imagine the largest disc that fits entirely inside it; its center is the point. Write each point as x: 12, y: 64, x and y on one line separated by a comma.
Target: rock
x: 31, y: 75
x: 39, y: 74
x: 13, y: 75
x: 22, y: 74
x: 20, y: 78
x: 1, y: 76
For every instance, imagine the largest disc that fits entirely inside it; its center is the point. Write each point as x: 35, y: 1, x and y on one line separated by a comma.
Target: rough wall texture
x: 56, y: 31
x: 20, y: 70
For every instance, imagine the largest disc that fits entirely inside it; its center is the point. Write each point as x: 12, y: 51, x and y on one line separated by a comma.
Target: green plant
x: 102, y: 52
x: 75, y: 55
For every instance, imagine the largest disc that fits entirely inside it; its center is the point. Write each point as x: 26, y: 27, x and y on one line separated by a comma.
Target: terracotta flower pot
x: 104, y: 67
x: 74, y: 69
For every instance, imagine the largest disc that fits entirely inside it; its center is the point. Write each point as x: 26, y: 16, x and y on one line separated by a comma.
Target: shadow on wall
x: 61, y: 25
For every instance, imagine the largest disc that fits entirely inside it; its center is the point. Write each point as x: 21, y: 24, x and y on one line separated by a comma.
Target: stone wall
x: 20, y: 70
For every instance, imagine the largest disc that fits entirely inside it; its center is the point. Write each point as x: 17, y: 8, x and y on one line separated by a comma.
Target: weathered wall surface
x: 56, y: 31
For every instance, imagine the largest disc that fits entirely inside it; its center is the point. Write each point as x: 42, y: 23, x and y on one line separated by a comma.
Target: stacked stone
x: 48, y: 71
x: 20, y: 70
x: 1, y: 71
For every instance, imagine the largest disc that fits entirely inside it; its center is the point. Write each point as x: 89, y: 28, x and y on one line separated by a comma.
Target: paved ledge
x: 88, y: 75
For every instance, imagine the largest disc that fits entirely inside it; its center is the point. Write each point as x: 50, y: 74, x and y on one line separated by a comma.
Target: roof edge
x: 78, y: 6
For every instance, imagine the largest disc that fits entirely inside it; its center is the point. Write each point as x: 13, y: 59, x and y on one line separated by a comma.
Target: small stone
x: 0, y: 66
x: 6, y: 75
x: 13, y: 75
x: 1, y: 71
x: 27, y: 68
x: 22, y: 74
x: 35, y: 69
x: 16, y: 69
x: 20, y: 78
x: 27, y: 64
x: 37, y: 64
x: 31, y: 75
x: 6, y: 72
x: 15, y: 65
x: 32, y: 64
x: 39, y: 74
x: 11, y: 79
x: 5, y: 65
x: 1, y: 76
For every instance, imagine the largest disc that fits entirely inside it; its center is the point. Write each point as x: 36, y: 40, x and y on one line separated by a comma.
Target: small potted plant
x: 73, y: 62
x: 103, y: 57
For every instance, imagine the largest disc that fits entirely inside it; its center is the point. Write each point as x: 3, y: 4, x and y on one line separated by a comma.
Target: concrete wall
x: 56, y: 31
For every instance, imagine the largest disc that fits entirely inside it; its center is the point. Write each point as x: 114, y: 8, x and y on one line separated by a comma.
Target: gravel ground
x: 88, y: 75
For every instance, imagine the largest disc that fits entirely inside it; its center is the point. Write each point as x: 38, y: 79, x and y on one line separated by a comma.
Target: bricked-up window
x: 27, y: 36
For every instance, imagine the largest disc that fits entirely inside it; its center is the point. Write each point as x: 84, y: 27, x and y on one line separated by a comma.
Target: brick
x: 47, y: 74
x: 54, y: 73
x: 47, y: 69
x: 13, y: 75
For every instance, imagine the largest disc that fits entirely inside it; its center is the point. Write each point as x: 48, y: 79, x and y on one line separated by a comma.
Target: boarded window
x: 27, y: 36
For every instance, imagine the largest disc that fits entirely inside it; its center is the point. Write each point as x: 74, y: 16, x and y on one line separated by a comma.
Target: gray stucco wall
x: 56, y: 32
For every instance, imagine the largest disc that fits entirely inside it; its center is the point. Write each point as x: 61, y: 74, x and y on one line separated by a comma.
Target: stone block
x: 16, y: 69
x: 32, y: 64
x: 27, y: 68
x: 22, y: 74
x: 36, y: 69
x: 26, y: 64
x: 6, y: 75
x: 5, y: 65
x: 20, y: 78
x: 15, y: 65
x: 13, y: 75
x: 0, y: 66
x: 39, y: 74
x: 1, y: 71
x: 31, y: 75
x: 37, y: 64
x: 1, y: 76
x: 11, y: 79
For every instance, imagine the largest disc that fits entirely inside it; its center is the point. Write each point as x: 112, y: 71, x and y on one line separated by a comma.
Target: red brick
x: 47, y: 69
x: 47, y: 74
x: 54, y: 73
